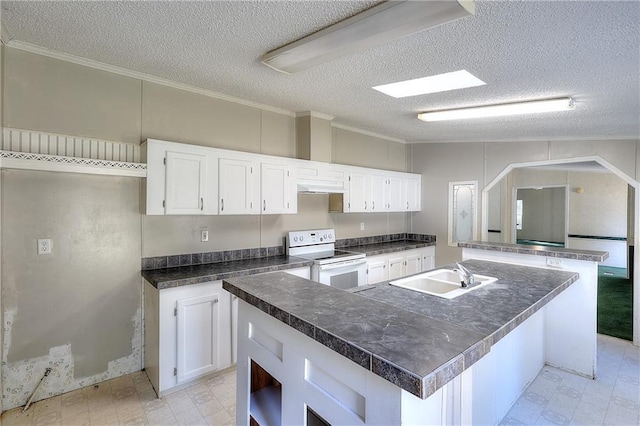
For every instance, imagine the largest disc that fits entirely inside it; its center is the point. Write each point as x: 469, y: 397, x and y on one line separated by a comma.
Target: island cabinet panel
x: 570, y: 322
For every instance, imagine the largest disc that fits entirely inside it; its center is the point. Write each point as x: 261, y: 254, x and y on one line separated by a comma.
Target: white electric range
x: 337, y: 268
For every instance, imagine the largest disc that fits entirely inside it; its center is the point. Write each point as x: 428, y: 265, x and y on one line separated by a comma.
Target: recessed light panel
x: 433, y: 84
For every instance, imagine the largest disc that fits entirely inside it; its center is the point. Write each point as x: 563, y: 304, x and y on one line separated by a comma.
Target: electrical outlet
x: 554, y: 262
x: 44, y: 246
x: 204, y: 236
x: 362, y: 226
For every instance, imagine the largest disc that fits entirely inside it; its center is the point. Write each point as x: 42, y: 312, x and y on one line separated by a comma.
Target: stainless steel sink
x: 442, y: 283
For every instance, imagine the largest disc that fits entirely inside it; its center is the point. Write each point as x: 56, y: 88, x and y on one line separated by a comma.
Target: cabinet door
x: 238, y: 186
x: 198, y: 338
x: 277, y: 189
x: 394, y: 197
x: 186, y: 178
x: 358, y: 193
x: 377, y: 272
x: 412, y: 194
x: 379, y: 188
x: 396, y: 268
x: 428, y: 262
x: 413, y: 264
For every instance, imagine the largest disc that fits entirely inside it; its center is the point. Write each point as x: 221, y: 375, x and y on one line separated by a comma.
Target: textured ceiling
x: 522, y: 50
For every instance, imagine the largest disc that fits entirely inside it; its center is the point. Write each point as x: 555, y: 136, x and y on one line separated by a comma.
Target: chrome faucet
x: 466, y: 277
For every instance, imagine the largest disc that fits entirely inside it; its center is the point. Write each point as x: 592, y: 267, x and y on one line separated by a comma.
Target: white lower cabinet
x: 377, y: 271
x: 187, y: 333
x: 385, y: 267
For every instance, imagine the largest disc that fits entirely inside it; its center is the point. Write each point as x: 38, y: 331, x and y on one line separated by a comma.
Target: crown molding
x: 32, y: 48
x: 368, y: 133
x: 522, y: 140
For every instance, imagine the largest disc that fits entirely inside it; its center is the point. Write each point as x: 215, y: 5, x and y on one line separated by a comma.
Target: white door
x: 185, y: 183
x: 412, y: 194
x: 277, y: 189
x: 394, y: 191
x: 377, y: 272
x: 396, y: 268
x: 197, y: 335
x: 238, y: 186
x: 358, y: 193
x: 379, y: 193
x: 413, y: 264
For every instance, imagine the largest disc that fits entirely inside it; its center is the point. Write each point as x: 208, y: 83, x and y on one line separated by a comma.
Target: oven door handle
x: 342, y: 264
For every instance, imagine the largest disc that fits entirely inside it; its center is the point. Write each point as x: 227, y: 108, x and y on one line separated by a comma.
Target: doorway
x: 541, y: 216
x: 500, y: 227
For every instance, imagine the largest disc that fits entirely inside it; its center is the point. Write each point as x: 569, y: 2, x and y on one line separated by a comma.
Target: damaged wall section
x: 78, y: 309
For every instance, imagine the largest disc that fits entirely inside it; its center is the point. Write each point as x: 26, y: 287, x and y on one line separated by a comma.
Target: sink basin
x: 442, y: 283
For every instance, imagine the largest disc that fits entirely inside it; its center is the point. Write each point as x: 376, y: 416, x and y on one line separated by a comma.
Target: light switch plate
x: 44, y: 246
x: 204, y: 236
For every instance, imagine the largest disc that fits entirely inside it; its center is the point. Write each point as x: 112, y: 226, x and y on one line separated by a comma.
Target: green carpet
x: 615, y: 303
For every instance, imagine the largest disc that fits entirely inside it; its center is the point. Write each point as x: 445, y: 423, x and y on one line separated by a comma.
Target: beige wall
x: 78, y: 308
x: 443, y: 163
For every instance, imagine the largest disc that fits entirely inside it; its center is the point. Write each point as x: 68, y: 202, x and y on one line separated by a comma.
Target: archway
x: 636, y: 210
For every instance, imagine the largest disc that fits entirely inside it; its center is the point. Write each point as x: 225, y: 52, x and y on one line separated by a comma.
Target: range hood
x: 320, y: 187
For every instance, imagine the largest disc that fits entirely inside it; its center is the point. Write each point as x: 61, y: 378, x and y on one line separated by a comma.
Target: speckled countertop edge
x: 421, y: 386
x: 564, y: 253
x: 195, y: 274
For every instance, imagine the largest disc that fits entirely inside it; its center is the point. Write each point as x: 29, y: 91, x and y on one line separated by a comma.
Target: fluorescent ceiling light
x: 383, y: 23
x: 529, y: 107
x: 433, y: 84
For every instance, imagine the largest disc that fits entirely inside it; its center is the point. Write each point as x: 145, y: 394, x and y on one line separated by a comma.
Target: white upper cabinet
x: 278, y: 189
x: 378, y: 193
x: 411, y: 193
x: 359, y: 193
x: 186, y: 180
x: 181, y: 179
x: 238, y: 183
x: 394, y: 199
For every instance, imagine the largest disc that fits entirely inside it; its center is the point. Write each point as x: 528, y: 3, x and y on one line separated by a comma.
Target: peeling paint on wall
x: 21, y: 378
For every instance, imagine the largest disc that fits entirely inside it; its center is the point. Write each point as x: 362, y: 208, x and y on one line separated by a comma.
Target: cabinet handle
x: 201, y: 204
x: 215, y: 300
x: 222, y: 202
x: 373, y: 205
x: 264, y: 205
x: 365, y: 205
x: 407, y: 205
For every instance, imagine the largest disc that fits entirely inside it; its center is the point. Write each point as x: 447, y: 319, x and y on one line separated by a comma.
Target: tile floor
x: 555, y: 397
x: 130, y: 400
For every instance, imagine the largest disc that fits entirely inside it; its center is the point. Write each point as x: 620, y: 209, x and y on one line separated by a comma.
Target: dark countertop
x: 389, y: 247
x: 194, y: 274
x: 564, y: 253
x: 416, y: 341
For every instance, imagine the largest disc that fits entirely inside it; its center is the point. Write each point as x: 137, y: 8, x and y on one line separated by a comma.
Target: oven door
x: 343, y: 275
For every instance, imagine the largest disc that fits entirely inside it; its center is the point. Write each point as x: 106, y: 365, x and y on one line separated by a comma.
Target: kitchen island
x: 387, y: 355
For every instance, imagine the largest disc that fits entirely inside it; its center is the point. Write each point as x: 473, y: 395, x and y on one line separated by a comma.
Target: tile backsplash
x: 172, y: 261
